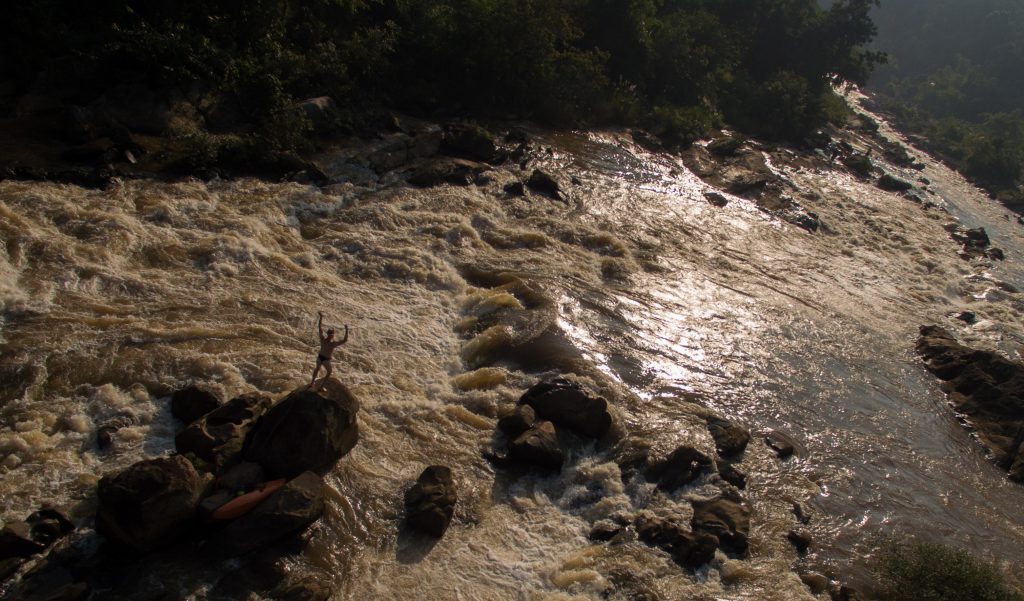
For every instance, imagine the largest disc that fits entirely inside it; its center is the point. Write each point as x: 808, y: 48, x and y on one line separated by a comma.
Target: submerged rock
x: 985, y: 387
x: 291, y: 509
x: 568, y: 405
x: 518, y: 421
x: 191, y: 403
x: 546, y: 184
x: 800, y: 539
x: 688, y: 549
x: 218, y: 436
x: 307, y: 431
x: 148, y: 505
x: 456, y: 172
x: 783, y: 444
x: 681, y: 467
x: 538, y: 446
x: 430, y: 503
x: 727, y: 518
x: 730, y: 438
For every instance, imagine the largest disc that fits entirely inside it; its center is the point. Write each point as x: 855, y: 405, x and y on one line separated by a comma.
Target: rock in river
x: 306, y: 431
x: 218, y: 436
x: 726, y: 517
x: 568, y: 405
x: 681, y: 467
x: 191, y: 403
x: 430, y: 503
x: 730, y: 438
x: 146, y: 506
x: 538, y: 446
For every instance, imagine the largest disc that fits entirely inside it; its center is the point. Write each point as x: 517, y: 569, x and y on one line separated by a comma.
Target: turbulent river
x: 110, y: 300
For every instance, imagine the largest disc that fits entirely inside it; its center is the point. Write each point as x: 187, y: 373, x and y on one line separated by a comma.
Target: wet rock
x: 468, y: 141
x: 456, y: 172
x: 688, y: 549
x: 148, y: 505
x: 322, y: 113
x: 726, y: 517
x: 725, y: 146
x: 893, y: 184
x: 390, y: 153
x: 783, y: 444
x: 105, y: 436
x: 546, y: 184
x: 800, y: 539
x: 817, y: 583
x: 568, y: 405
x: 518, y: 421
x: 967, y: 316
x: 681, y: 467
x: 844, y: 592
x: 733, y: 476
x: 218, y: 436
x: 244, y: 476
x: 306, y: 431
x: 995, y: 254
x: 971, y: 239
x: 538, y: 446
x: 427, y: 142
x: 604, y: 531
x: 730, y: 438
x: 291, y: 509
x: 515, y: 188
x: 803, y: 219
x: 430, y: 503
x: 48, y: 525
x: 301, y: 589
x: 16, y: 541
x: 985, y: 387
x: 191, y: 403
x: 715, y: 199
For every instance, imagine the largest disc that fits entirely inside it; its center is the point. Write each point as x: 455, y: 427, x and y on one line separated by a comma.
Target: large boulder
x: 569, y: 405
x: 218, y: 436
x: 688, y: 549
x: 322, y: 113
x: 430, y: 503
x: 985, y: 387
x: 538, y: 446
x: 148, y: 505
x: 16, y: 541
x: 727, y: 518
x: 546, y: 184
x: 307, y: 431
x: 191, y: 403
x: 894, y: 184
x: 291, y: 509
x: 468, y: 141
x: 518, y: 421
x: 730, y: 438
x: 681, y: 467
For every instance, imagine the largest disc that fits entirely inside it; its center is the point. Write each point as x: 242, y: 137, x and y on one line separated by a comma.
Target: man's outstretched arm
x: 320, y: 324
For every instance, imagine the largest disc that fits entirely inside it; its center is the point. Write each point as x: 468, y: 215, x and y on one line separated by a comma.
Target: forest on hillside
x: 956, y: 76
x: 679, y: 67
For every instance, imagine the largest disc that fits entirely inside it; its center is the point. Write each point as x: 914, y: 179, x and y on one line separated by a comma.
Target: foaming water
x: 460, y: 298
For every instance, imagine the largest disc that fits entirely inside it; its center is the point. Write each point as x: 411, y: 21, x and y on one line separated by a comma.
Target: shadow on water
x: 412, y: 546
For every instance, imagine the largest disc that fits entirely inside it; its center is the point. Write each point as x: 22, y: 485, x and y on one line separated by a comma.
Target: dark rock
x: 430, y: 503
x: 995, y: 254
x: 457, y: 172
x: 242, y: 477
x: 859, y: 164
x: 817, y: 583
x: 191, y: 403
x: 49, y: 525
x: 681, y: 467
x: 986, y: 388
x: 725, y: 517
x: 803, y: 219
x: 9, y: 567
x: 306, y: 431
x: 782, y: 443
x: 546, y: 184
x: 291, y: 509
x: 733, y: 476
x: 538, y: 446
x: 517, y: 135
x: 716, y: 199
x: 725, y: 146
x: 604, y: 531
x: 518, y: 421
x: 845, y: 592
x: 16, y: 541
x: 893, y: 184
x: 688, y: 549
x: 390, y: 153
x: 322, y: 113
x: 218, y: 436
x: 971, y: 239
x: 576, y: 181
x: 301, y: 589
x: 800, y: 539
x: 568, y: 405
x: 730, y: 438
x: 213, y: 502
x: 468, y: 141
x: 967, y: 316
x: 105, y: 436
x: 148, y: 505
x: 515, y: 188
x: 427, y: 142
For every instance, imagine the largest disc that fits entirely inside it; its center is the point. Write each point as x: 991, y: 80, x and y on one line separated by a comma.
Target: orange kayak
x: 242, y: 505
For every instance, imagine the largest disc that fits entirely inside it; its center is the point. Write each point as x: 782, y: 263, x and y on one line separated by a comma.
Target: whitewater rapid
x: 110, y: 300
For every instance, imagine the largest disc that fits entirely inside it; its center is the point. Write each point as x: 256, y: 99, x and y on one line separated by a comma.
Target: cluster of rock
x: 35, y: 534
x: 975, y: 242
x: 986, y: 388
x: 226, y: 450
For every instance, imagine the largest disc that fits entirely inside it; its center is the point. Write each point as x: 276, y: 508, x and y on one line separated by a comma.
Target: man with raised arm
x: 327, y: 346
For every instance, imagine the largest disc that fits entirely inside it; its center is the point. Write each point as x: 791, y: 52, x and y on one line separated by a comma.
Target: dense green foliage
x: 933, y: 572
x: 957, y: 77
x: 766, y: 66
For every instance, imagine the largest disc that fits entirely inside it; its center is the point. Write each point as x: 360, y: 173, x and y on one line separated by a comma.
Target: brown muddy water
x: 110, y: 300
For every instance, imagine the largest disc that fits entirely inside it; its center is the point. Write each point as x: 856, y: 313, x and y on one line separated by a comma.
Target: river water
x: 110, y: 300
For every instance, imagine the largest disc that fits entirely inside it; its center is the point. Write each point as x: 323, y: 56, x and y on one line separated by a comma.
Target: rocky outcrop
x: 191, y: 403
x: 307, y: 431
x: 986, y: 388
x: 569, y: 405
x: 218, y: 436
x: 456, y: 172
x: 688, y: 549
x: 546, y: 184
x: 730, y: 438
x: 727, y: 518
x: 538, y: 446
x: 468, y: 141
x: 893, y: 184
x: 291, y: 509
x: 430, y: 503
x: 681, y: 467
x: 148, y: 505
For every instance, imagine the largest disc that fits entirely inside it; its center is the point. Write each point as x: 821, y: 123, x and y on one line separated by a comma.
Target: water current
x: 110, y: 300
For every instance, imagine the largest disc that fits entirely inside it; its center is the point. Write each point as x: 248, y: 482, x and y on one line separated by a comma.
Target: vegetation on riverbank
x: 676, y: 66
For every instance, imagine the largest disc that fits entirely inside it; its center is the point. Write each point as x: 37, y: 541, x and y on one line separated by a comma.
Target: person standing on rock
x: 327, y: 346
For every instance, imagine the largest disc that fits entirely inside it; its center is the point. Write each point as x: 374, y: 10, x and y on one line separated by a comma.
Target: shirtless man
x: 327, y: 346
